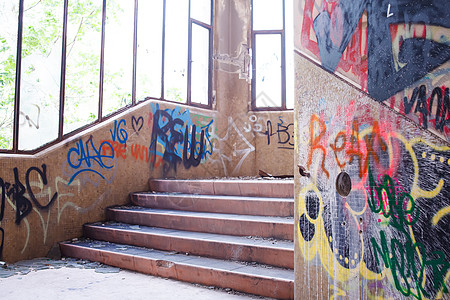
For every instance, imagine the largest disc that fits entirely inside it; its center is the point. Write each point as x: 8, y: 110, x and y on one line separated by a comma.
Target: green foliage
x: 42, y: 34
x: 174, y: 94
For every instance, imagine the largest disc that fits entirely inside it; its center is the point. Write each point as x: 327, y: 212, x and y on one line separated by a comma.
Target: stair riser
x: 263, y: 188
x: 218, y: 205
x: 267, y: 287
x: 283, y: 231
x: 277, y: 257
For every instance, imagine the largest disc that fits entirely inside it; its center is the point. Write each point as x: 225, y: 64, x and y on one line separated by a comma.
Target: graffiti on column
x: 397, y: 51
x: 394, y: 224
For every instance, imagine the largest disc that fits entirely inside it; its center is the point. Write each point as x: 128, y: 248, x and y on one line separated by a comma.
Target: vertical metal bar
x: 253, y: 70
x: 102, y: 64
x: 18, y: 77
x: 163, y: 49
x: 210, y: 66
x: 133, y: 88
x: 210, y: 74
x: 189, y: 62
x: 283, y: 60
x: 63, y: 72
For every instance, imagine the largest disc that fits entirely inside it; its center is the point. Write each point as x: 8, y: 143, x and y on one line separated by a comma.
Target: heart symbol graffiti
x: 137, y: 123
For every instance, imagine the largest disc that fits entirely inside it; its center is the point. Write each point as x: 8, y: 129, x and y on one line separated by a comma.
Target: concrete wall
x: 372, y: 220
x: 256, y: 140
x: 47, y: 197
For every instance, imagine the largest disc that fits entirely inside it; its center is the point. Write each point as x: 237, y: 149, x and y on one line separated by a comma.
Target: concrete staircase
x: 234, y: 234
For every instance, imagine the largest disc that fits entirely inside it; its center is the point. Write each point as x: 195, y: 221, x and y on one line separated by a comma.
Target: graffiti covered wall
x: 396, y: 51
x: 47, y: 197
x: 373, y: 218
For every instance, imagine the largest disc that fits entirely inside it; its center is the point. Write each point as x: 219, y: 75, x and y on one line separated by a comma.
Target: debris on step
x: 266, y: 175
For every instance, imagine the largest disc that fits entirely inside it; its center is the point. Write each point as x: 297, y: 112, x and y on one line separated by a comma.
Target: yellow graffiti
x: 319, y: 245
x: 337, y: 292
x: 439, y: 215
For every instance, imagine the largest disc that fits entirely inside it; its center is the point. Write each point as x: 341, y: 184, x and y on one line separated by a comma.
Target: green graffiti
x: 400, y: 205
x: 406, y: 259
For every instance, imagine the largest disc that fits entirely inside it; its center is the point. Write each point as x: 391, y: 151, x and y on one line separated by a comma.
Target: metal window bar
x: 189, y: 57
x: 163, y: 48
x: 283, y: 64
x: 102, y: 65
x: 209, y: 28
x: 133, y: 87
x: 100, y: 118
x: 63, y: 72
x: 17, y: 83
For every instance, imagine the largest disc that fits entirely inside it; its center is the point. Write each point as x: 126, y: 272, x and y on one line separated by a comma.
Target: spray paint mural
x: 396, y: 50
x: 375, y: 213
x: 39, y: 200
x: 179, y: 137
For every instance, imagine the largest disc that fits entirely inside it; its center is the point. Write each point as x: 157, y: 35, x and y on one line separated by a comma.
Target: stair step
x: 235, y: 187
x: 231, y: 224
x: 250, y: 249
x: 254, y: 279
x: 262, y: 206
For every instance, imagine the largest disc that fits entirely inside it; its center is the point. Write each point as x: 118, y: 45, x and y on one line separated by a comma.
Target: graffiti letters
x: 171, y: 141
x: 399, y: 208
x: 119, y: 133
x: 284, y: 133
x: 192, y: 160
x: 16, y: 191
x: 350, y: 145
x: 425, y: 106
x: 85, y: 156
x: 164, y: 129
x: 390, y: 227
x: 139, y: 152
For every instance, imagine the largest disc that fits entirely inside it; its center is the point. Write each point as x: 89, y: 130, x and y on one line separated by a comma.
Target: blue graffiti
x: 169, y: 130
x: 119, y: 133
x: 84, y: 157
x: 209, y: 148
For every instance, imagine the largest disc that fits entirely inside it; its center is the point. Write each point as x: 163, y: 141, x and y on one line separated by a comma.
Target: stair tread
x: 265, y: 219
x: 223, y: 238
x: 227, y: 180
x: 249, y: 269
x: 226, y: 197
x: 235, y: 186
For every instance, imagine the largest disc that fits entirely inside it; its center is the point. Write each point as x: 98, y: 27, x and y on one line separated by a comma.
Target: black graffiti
x: 43, y: 175
x: 2, y: 207
x: 424, y: 106
x: 2, y: 213
x: 137, y: 123
x: 17, y: 192
x: 283, y: 133
x: 418, y: 55
x: 192, y: 160
x: 167, y: 131
x: 169, y: 136
x: 23, y: 205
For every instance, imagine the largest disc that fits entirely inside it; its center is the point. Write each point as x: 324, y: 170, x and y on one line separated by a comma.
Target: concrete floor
x: 70, y: 279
